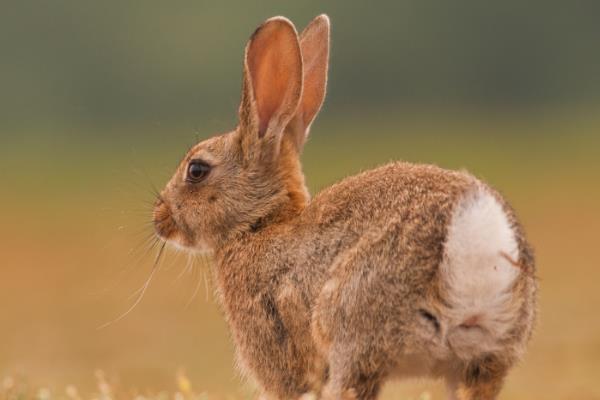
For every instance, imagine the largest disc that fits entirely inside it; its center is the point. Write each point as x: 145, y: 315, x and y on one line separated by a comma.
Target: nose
x: 163, y: 220
x: 159, y: 211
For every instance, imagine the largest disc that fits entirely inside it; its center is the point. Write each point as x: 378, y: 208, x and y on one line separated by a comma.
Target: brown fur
x: 339, y: 293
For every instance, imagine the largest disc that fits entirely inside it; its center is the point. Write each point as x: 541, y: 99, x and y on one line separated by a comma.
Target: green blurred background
x: 99, y: 100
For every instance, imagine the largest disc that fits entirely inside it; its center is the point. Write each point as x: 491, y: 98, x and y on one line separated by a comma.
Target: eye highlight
x: 197, y: 170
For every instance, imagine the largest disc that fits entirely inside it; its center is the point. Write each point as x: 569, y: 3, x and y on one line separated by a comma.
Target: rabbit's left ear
x: 314, y: 44
x: 272, y: 85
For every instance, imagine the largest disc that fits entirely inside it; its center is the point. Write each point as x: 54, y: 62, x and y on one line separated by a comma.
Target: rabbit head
x: 251, y: 176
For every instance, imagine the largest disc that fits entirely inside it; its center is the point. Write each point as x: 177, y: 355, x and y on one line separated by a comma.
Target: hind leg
x: 351, y: 379
x: 481, y: 379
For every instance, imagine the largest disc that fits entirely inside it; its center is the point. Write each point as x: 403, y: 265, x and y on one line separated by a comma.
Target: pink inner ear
x: 274, y: 64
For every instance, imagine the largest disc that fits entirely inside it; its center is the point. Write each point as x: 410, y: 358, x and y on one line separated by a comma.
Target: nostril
x: 161, y: 212
x: 163, y: 221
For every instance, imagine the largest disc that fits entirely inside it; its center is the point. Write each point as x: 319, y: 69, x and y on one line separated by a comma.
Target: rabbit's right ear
x: 272, y: 86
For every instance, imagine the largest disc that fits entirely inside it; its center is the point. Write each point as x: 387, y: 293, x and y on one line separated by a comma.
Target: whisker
x: 153, y: 190
x: 149, y: 248
x: 185, y: 269
x: 155, y: 267
x: 196, y: 289
x: 144, y: 247
x: 206, y: 266
x: 174, y: 261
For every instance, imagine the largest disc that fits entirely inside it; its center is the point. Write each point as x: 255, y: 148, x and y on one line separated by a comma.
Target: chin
x: 185, y: 245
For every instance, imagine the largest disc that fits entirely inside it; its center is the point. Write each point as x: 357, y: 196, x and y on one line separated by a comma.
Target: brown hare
x: 403, y: 270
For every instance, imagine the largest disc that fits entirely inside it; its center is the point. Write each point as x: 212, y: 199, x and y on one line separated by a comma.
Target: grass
x: 15, y: 388
x: 106, y: 389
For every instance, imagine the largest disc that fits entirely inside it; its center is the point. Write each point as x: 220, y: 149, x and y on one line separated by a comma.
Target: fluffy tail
x: 478, y: 275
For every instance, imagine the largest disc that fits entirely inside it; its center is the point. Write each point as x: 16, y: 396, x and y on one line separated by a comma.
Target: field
x: 74, y: 222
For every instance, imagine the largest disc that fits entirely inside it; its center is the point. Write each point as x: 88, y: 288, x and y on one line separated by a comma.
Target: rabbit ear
x: 272, y: 85
x: 314, y: 44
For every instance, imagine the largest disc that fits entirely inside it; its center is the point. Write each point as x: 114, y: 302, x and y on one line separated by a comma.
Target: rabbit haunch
x: 478, y: 274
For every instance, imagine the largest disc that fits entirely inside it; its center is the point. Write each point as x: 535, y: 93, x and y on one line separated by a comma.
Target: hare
x: 403, y: 270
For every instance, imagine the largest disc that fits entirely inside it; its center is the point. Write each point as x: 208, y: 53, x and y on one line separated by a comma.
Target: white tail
x: 478, y: 275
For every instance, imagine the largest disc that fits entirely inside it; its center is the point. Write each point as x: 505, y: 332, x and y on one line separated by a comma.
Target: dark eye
x: 197, y: 170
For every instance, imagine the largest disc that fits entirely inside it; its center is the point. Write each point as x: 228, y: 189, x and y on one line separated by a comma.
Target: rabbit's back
x: 420, y: 198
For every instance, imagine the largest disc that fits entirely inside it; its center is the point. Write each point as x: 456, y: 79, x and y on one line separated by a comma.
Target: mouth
x: 167, y: 229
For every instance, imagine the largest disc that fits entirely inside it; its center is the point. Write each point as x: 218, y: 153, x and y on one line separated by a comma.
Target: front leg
x: 305, y: 396
x: 273, y: 343
x: 349, y: 378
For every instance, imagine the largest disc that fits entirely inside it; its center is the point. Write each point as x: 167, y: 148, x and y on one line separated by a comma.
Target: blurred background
x: 99, y: 100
